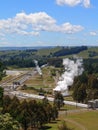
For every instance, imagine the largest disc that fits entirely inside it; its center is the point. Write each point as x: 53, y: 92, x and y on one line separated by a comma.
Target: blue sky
x: 48, y: 22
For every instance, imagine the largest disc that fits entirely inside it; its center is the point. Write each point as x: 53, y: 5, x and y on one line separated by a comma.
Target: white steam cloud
x: 72, y: 68
x: 37, y: 67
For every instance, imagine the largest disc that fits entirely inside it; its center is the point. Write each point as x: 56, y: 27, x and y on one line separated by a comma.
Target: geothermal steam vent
x: 37, y: 67
x: 72, y: 68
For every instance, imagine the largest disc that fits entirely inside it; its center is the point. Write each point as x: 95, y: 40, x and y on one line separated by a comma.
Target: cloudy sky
x: 48, y: 22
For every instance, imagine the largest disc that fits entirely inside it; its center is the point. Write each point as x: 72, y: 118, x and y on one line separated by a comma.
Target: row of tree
x: 69, y: 51
x: 28, y: 113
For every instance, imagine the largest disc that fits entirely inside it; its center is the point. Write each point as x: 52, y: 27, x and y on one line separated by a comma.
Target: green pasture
x: 86, y: 120
x: 48, y: 51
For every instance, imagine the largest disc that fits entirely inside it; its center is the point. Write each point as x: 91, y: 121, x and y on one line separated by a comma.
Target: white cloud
x: 93, y: 33
x: 34, y: 23
x: 69, y: 28
x: 86, y: 3
x: 68, y: 2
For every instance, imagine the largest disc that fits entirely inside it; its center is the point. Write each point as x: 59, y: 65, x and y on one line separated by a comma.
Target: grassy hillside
x: 46, y: 52
x: 25, y: 58
x: 86, y: 53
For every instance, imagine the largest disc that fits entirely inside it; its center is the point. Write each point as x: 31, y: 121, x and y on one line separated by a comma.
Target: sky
x: 48, y: 23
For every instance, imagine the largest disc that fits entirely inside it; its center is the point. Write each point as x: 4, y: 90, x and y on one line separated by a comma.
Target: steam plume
x: 37, y: 67
x: 72, y: 68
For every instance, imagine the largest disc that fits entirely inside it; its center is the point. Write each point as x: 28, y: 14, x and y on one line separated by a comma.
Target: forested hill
x: 25, y: 57
x: 69, y: 51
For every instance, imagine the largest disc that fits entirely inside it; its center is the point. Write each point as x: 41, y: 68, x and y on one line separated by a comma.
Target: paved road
x: 26, y: 95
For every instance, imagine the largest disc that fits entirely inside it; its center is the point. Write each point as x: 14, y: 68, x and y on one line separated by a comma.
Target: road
x: 9, y: 90
x: 34, y: 96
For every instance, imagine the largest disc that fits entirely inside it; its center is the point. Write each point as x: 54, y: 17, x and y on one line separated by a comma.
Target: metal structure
x: 93, y: 104
x: 23, y: 79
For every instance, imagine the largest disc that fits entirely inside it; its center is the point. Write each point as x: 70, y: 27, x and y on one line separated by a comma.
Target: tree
x: 6, y: 103
x: 2, y: 72
x: 79, y: 93
x: 58, y: 100
x: 8, y: 123
x: 93, y: 82
x: 92, y: 94
x: 13, y: 107
x: 24, y: 115
x: 1, y: 96
x: 83, y: 78
x: 33, y: 107
x: 41, y: 115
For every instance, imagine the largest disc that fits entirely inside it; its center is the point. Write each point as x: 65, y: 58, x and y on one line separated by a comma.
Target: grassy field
x: 46, y: 81
x: 48, y: 51
x: 85, y: 120
x: 85, y: 54
x: 88, y: 119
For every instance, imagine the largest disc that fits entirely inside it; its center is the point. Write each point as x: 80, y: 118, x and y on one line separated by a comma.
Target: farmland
x: 22, y: 61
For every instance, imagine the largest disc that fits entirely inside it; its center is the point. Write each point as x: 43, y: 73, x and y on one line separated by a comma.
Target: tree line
x: 85, y: 88
x: 29, y: 114
x: 69, y: 51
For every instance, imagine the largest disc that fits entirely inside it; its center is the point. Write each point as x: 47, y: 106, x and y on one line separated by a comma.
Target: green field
x: 85, y: 54
x: 88, y: 119
x: 84, y: 120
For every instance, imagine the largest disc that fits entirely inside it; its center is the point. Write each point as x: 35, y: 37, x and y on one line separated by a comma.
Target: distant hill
x: 24, y: 56
x: 23, y: 48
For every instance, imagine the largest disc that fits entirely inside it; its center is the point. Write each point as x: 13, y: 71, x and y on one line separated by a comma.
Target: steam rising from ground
x: 72, y: 68
x: 37, y: 67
